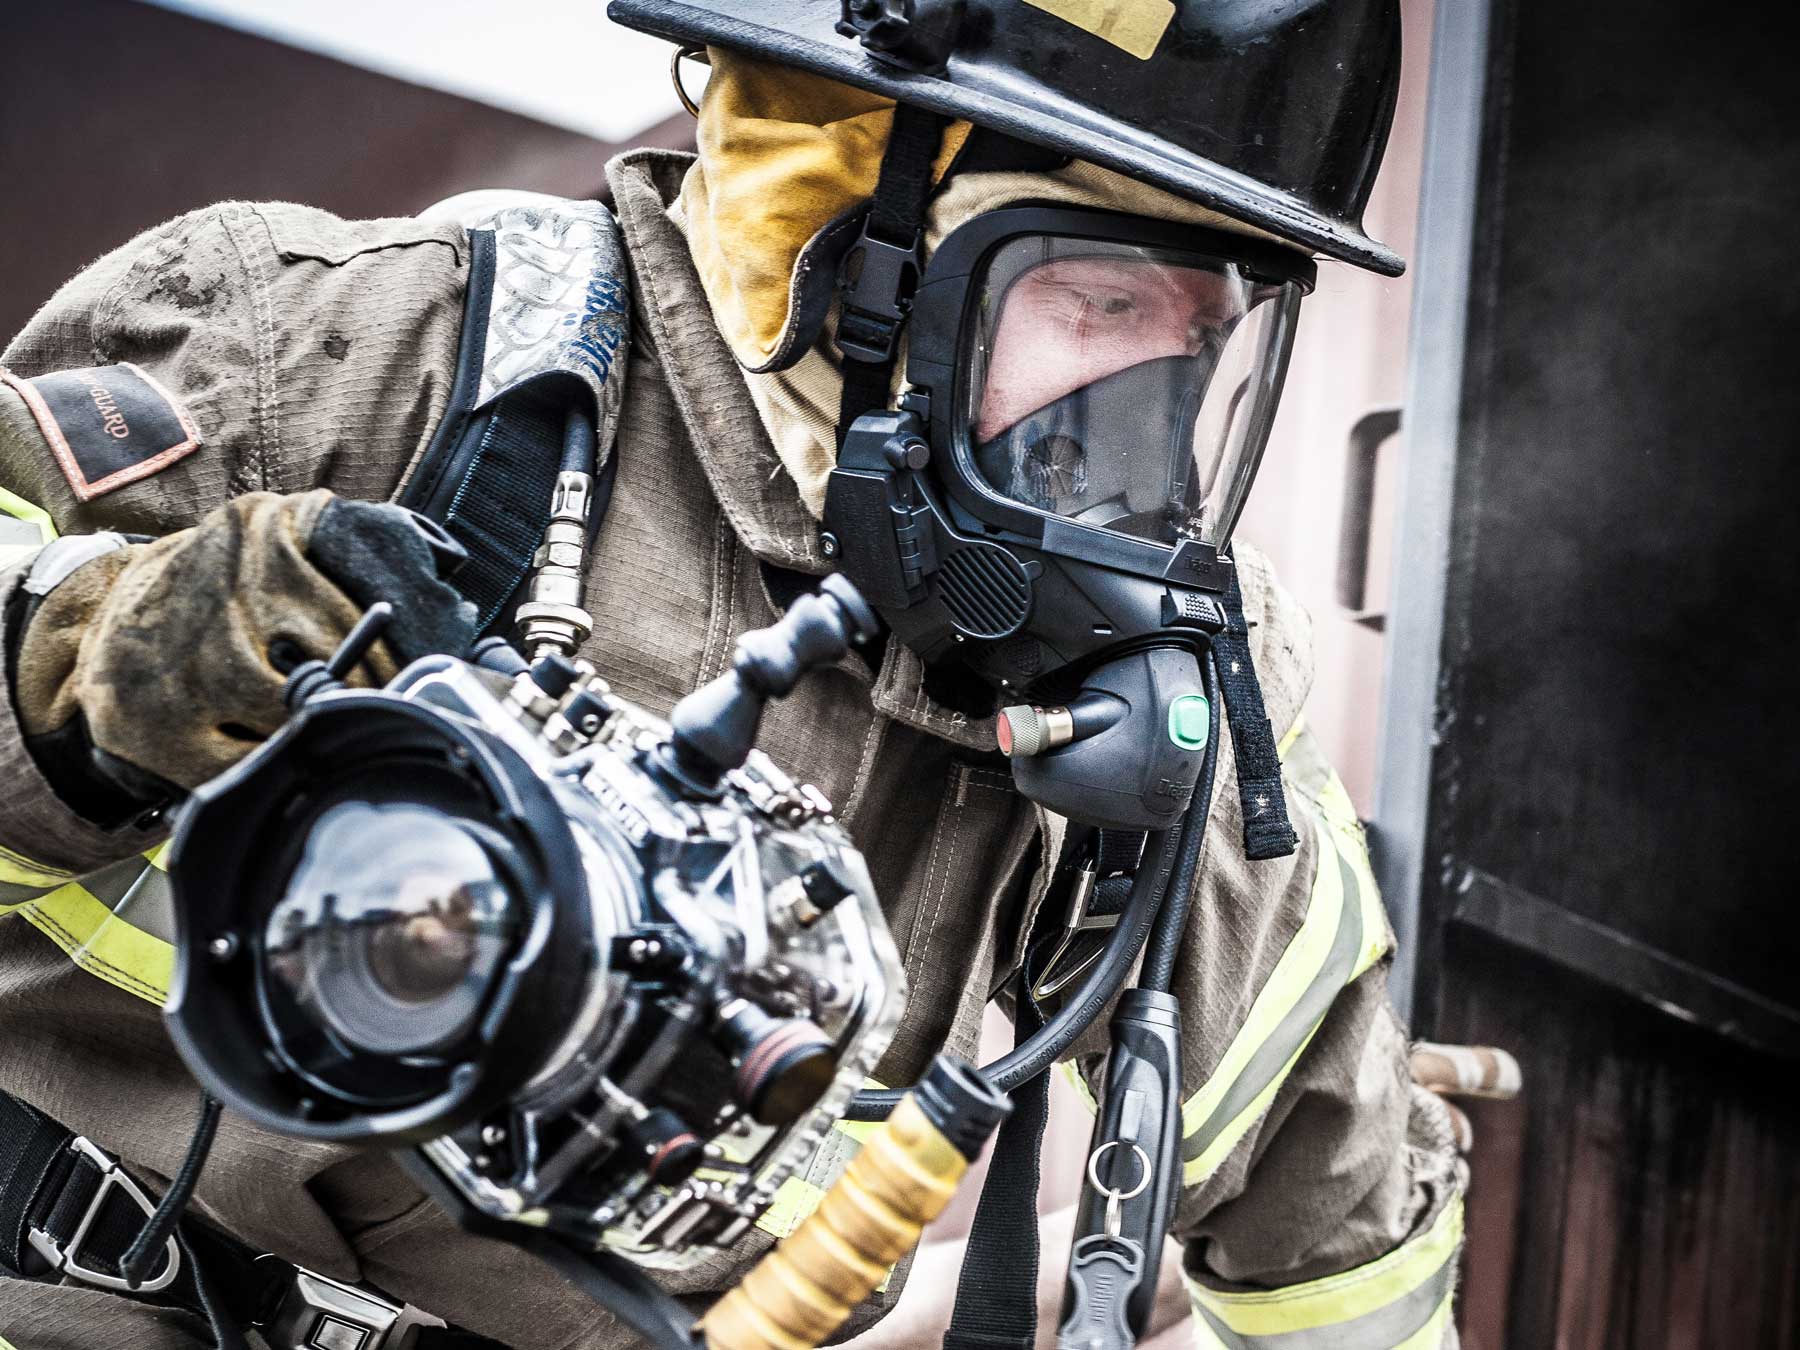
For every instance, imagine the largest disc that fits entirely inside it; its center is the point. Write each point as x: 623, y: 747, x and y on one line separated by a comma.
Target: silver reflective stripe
x: 146, y: 904
x: 61, y: 557
x: 1382, y: 1329
x: 16, y: 533
x: 1272, y: 1056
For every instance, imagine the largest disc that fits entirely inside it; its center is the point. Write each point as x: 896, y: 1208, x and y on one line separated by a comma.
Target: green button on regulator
x: 1190, y: 718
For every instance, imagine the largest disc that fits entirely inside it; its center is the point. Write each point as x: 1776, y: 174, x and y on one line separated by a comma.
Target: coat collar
x: 735, y: 453
x: 734, y: 450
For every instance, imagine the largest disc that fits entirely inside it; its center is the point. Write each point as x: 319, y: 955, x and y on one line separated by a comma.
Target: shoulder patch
x: 107, y: 425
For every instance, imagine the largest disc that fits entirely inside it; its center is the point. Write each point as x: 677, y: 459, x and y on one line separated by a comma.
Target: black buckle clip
x: 877, y: 286
x: 319, y: 1313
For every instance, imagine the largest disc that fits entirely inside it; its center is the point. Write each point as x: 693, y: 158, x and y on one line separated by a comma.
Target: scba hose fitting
x: 901, y: 1180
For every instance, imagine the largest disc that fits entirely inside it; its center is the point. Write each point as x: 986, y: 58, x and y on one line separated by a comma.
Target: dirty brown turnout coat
x: 313, y: 352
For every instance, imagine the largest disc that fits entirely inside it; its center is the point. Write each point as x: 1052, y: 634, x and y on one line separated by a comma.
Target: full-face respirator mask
x: 1049, y: 507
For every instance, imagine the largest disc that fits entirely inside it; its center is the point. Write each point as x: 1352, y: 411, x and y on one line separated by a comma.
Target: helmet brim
x: 802, y: 35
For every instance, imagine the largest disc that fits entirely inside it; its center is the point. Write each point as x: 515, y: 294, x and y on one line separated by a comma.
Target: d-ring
x: 698, y: 53
x: 1094, y: 1175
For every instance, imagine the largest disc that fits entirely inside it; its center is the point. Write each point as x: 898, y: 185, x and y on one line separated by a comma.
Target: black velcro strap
x: 502, y: 505
x: 897, y: 211
x: 996, y: 1294
x: 1267, y: 831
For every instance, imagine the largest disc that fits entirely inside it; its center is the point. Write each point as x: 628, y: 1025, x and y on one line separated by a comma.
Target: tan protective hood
x: 786, y: 159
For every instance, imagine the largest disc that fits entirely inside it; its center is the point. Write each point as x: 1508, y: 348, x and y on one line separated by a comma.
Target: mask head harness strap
x: 881, y: 270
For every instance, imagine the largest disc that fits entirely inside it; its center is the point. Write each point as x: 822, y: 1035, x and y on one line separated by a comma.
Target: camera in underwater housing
x: 609, y: 975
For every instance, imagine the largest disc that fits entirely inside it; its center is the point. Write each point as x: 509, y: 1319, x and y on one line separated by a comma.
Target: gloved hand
x: 157, y: 665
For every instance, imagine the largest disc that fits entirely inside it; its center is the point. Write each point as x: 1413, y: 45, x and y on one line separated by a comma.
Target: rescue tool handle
x: 1134, y: 1163
x: 1105, y: 1273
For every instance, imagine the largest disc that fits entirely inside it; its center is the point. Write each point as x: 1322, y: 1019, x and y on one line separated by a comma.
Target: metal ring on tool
x: 1143, y: 1175
x: 698, y: 53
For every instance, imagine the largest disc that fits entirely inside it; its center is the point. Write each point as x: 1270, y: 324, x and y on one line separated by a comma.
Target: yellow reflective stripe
x: 19, y: 509
x: 5, y: 1344
x: 158, y: 856
x: 1336, y: 1299
x: 101, y: 943
x: 18, y: 870
x: 1295, y: 972
x: 794, y: 1202
x: 1353, y: 847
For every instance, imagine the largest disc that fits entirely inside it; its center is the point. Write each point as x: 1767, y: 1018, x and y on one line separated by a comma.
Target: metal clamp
x: 65, y: 1257
x: 1081, y: 894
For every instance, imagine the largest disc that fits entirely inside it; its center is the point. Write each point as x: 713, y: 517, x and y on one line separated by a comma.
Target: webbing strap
x: 874, y: 301
x: 502, y: 506
x: 57, y: 1184
x: 1267, y: 831
x: 996, y: 1294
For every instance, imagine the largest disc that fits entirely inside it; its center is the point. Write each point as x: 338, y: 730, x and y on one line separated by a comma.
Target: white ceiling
x: 559, y: 61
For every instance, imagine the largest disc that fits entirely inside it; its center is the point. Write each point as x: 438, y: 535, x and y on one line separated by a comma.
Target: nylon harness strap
x: 882, y: 267
x: 488, y: 476
x: 996, y: 1293
x: 59, y: 1187
x: 1268, y: 833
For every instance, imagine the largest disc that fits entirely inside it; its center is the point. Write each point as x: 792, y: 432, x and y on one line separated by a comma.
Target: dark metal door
x: 1591, y: 783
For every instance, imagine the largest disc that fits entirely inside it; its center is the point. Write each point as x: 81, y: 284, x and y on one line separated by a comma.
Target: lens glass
x: 392, y: 927
x: 1124, y: 387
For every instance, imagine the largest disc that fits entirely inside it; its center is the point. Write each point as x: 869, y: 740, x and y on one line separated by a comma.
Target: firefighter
x: 217, y: 444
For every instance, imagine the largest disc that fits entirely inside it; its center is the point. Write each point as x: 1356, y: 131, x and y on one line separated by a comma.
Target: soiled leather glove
x: 153, y: 666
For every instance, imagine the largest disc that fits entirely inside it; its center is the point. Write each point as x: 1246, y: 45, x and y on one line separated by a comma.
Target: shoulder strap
x: 996, y: 1294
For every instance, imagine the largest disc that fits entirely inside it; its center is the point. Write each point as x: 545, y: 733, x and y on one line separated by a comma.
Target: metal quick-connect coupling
x: 552, y: 618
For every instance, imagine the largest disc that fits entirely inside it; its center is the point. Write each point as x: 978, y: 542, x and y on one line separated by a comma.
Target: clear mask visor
x: 1124, y: 387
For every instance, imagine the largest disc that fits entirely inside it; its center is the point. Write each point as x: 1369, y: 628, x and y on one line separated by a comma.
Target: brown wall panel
x: 1644, y: 1193
x: 115, y: 116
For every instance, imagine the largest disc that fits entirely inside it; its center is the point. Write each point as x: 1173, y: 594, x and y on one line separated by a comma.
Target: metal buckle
x: 320, y: 1313
x: 1078, y: 922
x: 64, y: 1258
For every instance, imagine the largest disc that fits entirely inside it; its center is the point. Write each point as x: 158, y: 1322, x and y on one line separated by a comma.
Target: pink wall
x: 1349, y: 356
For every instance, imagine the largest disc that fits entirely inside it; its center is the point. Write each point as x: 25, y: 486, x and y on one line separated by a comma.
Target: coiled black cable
x: 1026, y: 1061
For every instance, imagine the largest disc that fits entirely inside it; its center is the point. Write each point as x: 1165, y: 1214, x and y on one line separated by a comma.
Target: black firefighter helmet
x: 1274, y: 112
